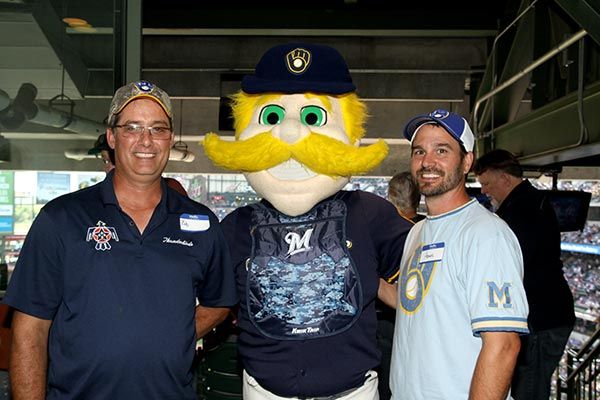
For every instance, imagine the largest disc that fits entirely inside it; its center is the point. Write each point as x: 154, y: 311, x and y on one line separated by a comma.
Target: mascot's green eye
x: 313, y: 116
x: 271, y: 115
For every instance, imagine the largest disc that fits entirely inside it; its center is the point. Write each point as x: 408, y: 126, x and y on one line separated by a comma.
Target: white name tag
x: 194, y: 222
x: 432, y: 253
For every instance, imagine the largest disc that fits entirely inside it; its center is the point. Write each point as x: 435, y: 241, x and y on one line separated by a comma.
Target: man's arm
x: 209, y: 317
x: 29, y: 357
x: 388, y: 293
x: 495, y: 365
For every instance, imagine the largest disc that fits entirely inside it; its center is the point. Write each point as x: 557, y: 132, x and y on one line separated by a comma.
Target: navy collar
x: 107, y: 189
x: 170, y: 201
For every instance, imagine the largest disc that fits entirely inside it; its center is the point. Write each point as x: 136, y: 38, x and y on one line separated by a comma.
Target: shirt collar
x: 170, y: 200
x: 107, y: 189
x: 452, y: 212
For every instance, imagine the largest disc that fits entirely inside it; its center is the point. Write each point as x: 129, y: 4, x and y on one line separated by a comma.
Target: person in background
x: 103, y: 151
x: 551, y: 314
x: 404, y: 193
x: 106, y: 285
x: 460, y: 300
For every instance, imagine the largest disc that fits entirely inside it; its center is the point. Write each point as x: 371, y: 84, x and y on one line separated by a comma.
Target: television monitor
x: 571, y: 208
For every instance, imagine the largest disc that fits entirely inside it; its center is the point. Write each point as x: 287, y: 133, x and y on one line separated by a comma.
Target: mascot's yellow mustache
x: 320, y: 153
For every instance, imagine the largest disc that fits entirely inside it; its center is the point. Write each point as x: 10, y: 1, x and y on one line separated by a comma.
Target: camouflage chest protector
x: 302, y: 282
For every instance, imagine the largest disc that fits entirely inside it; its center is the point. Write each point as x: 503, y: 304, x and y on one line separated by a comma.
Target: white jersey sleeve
x: 493, y: 280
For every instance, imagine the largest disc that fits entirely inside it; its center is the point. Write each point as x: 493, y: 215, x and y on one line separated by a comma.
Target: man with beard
x: 308, y: 257
x: 460, y: 299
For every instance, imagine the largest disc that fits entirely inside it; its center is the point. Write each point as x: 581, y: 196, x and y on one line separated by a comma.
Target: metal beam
x: 54, y: 30
x: 503, y: 107
x: 573, y: 39
x: 133, y: 41
x: 127, y: 37
x: 586, y: 13
x: 551, y: 133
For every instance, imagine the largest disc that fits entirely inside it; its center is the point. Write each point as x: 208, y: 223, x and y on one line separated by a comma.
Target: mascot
x: 309, y: 256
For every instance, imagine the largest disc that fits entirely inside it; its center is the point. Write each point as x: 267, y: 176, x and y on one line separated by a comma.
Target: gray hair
x: 403, y: 192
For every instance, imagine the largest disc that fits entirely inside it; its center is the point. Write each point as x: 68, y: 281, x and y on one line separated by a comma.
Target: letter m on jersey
x: 499, y: 296
x: 298, y: 243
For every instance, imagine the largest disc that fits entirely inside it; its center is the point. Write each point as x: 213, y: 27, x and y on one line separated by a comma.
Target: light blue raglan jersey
x: 461, y: 275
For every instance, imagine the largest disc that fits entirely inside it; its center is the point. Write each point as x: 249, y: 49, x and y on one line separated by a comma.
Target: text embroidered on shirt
x: 302, y: 331
x: 167, y: 239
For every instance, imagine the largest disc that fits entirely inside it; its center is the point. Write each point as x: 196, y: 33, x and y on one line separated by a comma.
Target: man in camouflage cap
x: 106, y: 285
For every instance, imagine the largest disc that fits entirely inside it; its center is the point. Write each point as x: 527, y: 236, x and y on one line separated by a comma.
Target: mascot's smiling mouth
x: 291, y: 170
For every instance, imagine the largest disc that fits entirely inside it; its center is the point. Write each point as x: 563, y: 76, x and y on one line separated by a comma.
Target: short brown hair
x: 498, y: 160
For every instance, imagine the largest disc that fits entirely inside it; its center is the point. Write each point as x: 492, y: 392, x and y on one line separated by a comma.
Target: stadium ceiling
x: 404, y: 58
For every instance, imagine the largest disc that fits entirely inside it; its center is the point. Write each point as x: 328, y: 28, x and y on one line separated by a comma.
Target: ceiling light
x: 74, y: 22
x: 180, y: 152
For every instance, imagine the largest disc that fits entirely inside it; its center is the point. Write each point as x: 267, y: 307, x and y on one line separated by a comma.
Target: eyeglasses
x: 136, y: 130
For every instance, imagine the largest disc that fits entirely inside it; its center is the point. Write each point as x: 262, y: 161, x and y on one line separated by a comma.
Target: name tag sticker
x: 194, y: 222
x: 432, y: 253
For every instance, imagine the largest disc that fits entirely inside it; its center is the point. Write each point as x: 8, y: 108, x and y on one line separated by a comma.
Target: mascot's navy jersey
x: 308, y: 286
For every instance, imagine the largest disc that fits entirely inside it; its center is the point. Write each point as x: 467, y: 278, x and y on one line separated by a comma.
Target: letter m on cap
x: 498, y: 295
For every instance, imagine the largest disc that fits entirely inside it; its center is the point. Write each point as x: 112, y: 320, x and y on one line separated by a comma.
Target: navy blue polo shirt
x: 122, y: 303
x: 329, y: 365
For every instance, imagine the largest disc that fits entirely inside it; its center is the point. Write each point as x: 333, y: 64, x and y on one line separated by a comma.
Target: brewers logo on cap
x: 135, y: 90
x: 441, y: 114
x: 299, y: 68
x: 144, y: 86
x: 298, y: 60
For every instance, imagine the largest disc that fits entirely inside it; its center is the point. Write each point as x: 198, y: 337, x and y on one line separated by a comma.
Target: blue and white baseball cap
x: 456, y: 126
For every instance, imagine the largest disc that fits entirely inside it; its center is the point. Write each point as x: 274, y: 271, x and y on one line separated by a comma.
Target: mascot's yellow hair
x: 320, y: 153
x: 354, y: 111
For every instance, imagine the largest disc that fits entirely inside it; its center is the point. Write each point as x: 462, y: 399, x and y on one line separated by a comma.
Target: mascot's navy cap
x: 299, y: 68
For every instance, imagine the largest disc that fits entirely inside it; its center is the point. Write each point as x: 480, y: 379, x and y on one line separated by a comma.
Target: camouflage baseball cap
x: 135, y: 90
